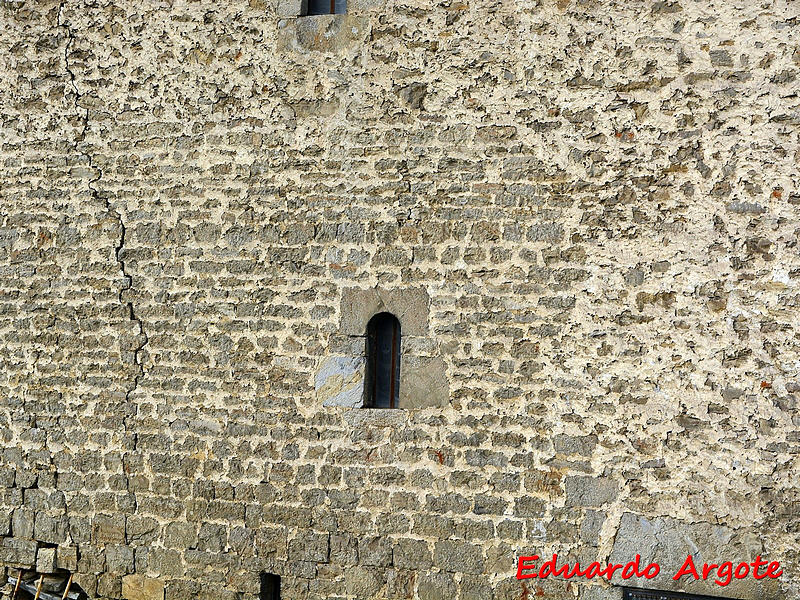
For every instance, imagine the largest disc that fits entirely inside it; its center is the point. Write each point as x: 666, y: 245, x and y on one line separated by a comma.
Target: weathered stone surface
x: 322, y: 33
x: 668, y: 542
x: 412, y: 554
x: 340, y: 381
x: 584, y: 215
x: 423, y: 382
x: 119, y: 559
x: 16, y: 552
x: 292, y: 8
x: 460, y: 557
x: 46, y: 560
x: 568, y: 444
x: 67, y: 558
x: 22, y: 523
x: 409, y: 304
x: 375, y: 551
x: 108, y: 529
x: 590, y: 491
x: 138, y: 587
x: 376, y: 417
x: 437, y: 586
x: 362, y: 582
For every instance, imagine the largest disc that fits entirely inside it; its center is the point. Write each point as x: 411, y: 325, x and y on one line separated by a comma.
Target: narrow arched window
x: 382, y: 383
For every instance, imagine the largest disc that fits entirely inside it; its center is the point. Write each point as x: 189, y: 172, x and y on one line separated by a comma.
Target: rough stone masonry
x: 588, y: 209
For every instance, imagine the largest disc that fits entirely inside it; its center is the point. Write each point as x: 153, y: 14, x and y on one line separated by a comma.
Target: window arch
x: 382, y: 381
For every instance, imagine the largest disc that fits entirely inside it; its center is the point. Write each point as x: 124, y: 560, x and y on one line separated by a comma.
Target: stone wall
x: 600, y: 200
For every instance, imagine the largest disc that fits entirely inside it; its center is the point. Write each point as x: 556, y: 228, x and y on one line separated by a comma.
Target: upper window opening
x: 327, y: 7
x: 382, y: 384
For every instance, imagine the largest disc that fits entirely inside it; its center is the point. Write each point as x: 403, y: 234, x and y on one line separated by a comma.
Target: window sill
x: 376, y: 417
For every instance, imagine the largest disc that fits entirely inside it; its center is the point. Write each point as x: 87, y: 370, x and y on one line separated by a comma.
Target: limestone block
x: 46, y: 560
x: 292, y: 8
x: 50, y: 529
x: 340, y: 381
x: 458, y: 556
x: 107, y: 529
x: 22, y: 523
x: 355, y: 7
x: 5, y: 524
x: 423, y: 382
x: 323, y: 33
x: 362, y: 582
x: 668, y: 541
x: 67, y: 558
x: 475, y: 587
x: 138, y: 587
x: 567, y: 444
x: 376, y: 417
x: 400, y: 584
x: 15, y: 552
x: 343, y: 549
x: 411, y: 554
x: 411, y: 306
x: 375, y: 551
x: 119, y: 559
x: 590, y: 491
x: 437, y: 586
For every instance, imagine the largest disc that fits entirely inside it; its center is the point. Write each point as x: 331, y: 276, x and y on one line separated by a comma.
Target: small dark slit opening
x: 270, y: 587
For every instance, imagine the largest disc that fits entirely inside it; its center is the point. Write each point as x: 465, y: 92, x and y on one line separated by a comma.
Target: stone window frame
x: 339, y: 381
x: 299, y: 32
x: 288, y: 9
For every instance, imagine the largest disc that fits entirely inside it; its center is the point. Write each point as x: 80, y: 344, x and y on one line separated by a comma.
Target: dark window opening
x: 270, y: 587
x: 637, y: 594
x: 382, y: 383
x: 327, y: 7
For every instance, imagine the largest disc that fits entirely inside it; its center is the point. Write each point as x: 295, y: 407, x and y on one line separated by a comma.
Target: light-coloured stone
x: 340, y: 381
x: 138, y: 587
x: 668, y: 542
x: 323, y: 33
x: 46, y: 560
x: 292, y: 8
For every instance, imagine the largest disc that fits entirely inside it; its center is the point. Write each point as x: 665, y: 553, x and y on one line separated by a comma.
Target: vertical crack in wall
x: 95, y: 192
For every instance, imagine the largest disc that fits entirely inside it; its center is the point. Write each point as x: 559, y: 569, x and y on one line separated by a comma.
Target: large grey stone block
x: 590, y: 491
x: 410, y: 305
x: 423, y: 382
